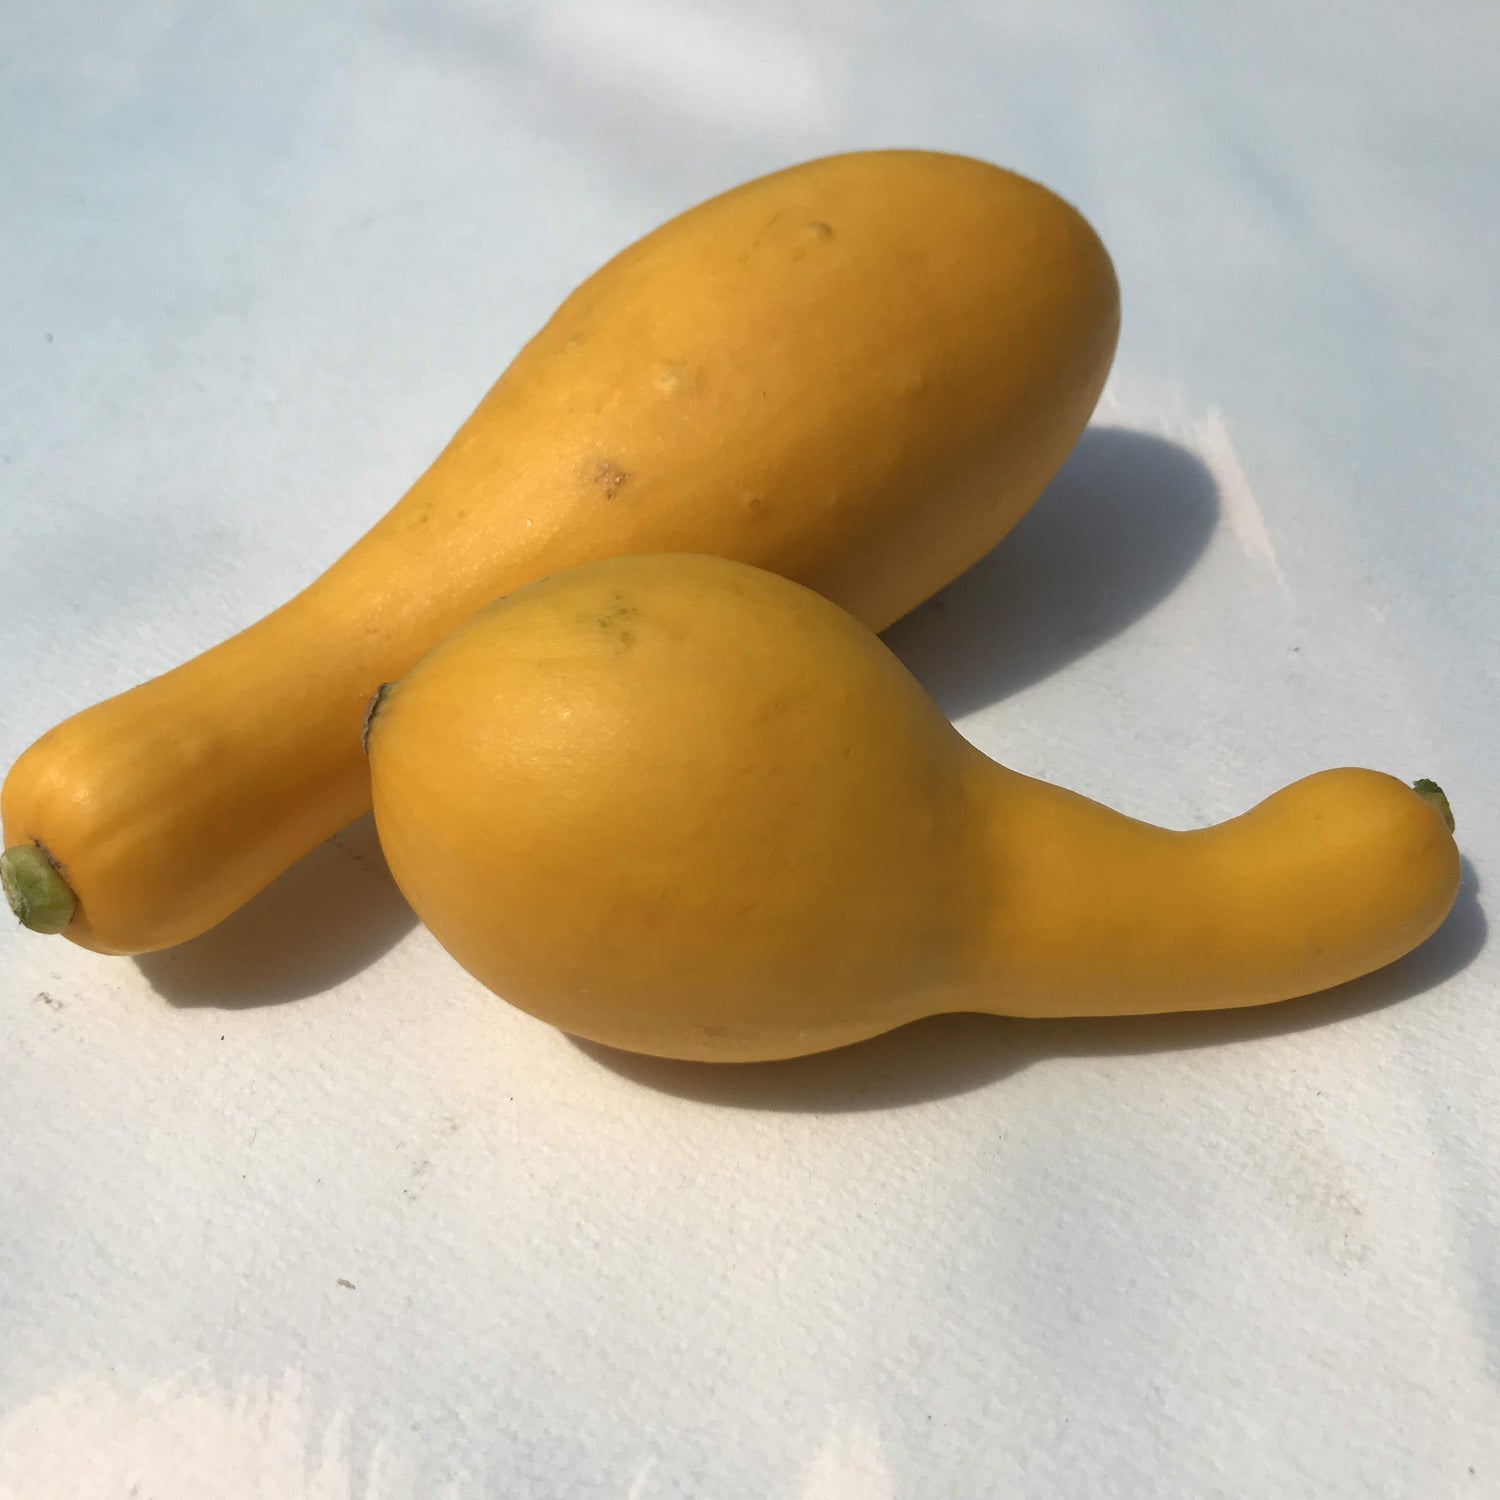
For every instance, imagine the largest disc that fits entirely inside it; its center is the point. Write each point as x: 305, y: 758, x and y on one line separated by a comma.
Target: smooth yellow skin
x: 859, y: 372
x: 680, y: 806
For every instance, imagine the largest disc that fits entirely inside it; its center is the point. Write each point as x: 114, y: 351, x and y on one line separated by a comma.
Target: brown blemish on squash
x: 617, y: 619
x: 813, y: 232
x: 609, y: 476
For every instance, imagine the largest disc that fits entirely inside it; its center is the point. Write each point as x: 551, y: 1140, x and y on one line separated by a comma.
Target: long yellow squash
x: 858, y: 372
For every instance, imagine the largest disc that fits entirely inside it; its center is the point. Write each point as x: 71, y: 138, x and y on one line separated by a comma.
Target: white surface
x: 256, y: 262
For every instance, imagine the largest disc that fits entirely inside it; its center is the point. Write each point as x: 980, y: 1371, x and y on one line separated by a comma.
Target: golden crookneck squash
x: 858, y: 372
x: 680, y: 806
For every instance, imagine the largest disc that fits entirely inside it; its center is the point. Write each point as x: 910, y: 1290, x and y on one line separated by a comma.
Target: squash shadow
x: 1120, y: 525
x: 953, y: 1054
x: 328, y: 917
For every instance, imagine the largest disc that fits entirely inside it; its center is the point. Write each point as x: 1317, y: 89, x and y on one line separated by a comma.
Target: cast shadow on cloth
x: 1118, y: 528
x: 330, y: 916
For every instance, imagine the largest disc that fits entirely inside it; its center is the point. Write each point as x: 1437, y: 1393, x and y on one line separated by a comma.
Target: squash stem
x: 36, y: 890
x: 1431, y: 792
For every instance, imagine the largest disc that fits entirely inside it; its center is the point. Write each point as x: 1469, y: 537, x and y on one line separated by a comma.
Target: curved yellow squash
x: 681, y: 806
x: 859, y: 372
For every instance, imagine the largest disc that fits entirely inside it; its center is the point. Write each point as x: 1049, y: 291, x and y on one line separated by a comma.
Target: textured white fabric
x: 390, y: 1240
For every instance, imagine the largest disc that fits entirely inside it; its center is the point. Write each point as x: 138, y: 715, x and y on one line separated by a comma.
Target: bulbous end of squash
x: 1431, y: 792
x: 41, y: 899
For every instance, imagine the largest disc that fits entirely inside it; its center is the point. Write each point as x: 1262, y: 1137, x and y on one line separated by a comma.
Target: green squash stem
x: 1433, y: 793
x: 36, y: 890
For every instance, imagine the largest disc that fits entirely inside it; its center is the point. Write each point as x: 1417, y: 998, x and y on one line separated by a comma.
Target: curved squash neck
x: 1095, y: 913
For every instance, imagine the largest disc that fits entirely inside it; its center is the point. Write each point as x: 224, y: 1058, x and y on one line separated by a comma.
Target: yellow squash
x: 681, y: 806
x: 858, y: 372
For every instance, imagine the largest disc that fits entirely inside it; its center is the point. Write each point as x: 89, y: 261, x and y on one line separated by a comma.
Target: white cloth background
x: 257, y: 261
